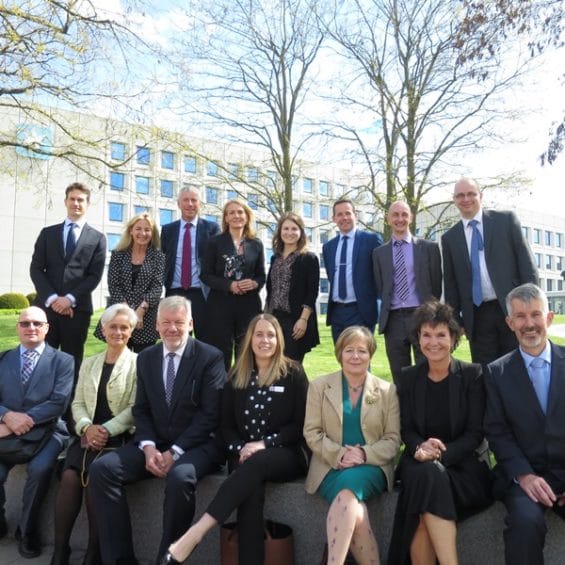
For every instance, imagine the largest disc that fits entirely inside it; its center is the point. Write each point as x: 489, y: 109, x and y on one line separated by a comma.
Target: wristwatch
x: 174, y: 454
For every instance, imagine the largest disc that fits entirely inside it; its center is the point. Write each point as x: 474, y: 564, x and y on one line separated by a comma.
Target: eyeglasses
x: 33, y: 323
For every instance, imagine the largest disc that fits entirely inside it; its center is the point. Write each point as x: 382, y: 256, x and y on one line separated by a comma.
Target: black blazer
x: 304, y: 287
x: 194, y: 413
x: 52, y: 274
x: 466, y: 409
x: 212, y: 272
x: 523, y: 439
x: 169, y: 242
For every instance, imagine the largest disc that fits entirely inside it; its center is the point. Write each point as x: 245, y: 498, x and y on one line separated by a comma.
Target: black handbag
x: 21, y: 449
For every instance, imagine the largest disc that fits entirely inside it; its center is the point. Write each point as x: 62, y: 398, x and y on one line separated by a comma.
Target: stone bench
x: 479, y: 538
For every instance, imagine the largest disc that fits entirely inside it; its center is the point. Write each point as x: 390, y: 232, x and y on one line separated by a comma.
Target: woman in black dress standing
x: 442, y: 403
x: 234, y: 269
x: 292, y: 287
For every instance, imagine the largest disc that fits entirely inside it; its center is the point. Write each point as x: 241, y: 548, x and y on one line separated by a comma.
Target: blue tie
x: 71, y: 243
x: 341, y: 284
x: 538, y: 376
x: 476, y: 246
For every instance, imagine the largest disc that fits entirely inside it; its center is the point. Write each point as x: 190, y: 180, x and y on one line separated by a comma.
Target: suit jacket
x: 523, y: 439
x: 79, y: 276
x: 194, y: 414
x: 363, y: 283
x: 466, y: 409
x: 120, y: 392
x: 508, y: 258
x: 427, y: 270
x: 169, y: 242
x: 323, y: 426
x: 303, y: 291
x: 48, y: 391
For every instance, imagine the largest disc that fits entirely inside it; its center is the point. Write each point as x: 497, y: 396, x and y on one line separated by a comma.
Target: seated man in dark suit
x: 177, y: 413
x: 525, y: 425
x: 35, y: 388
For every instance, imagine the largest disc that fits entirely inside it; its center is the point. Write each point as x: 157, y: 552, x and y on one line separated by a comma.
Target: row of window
x: 552, y: 284
x: 543, y: 237
x: 552, y: 262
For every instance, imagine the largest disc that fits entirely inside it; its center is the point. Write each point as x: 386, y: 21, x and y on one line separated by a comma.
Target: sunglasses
x: 33, y: 323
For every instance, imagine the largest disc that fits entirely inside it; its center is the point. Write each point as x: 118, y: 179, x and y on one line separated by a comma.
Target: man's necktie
x: 71, y: 242
x: 341, y: 284
x: 170, y: 379
x: 401, y: 276
x: 476, y: 246
x: 538, y: 376
x: 30, y: 357
x: 186, y: 263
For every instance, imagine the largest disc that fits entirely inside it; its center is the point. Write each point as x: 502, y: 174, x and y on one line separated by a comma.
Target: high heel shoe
x: 168, y: 559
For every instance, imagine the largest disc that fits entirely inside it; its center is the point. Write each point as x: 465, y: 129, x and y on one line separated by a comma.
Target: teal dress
x: 364, y: 481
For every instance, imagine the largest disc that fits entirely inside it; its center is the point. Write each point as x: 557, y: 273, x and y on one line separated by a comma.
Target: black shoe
x: 28, y: 544
x: 168, y: 559
x: 61, y: 556
x: 3, y: 526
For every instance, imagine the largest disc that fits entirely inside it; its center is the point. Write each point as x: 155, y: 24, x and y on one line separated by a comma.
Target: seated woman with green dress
x: 352, y: 426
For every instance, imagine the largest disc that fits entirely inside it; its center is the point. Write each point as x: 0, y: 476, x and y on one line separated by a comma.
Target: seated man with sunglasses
x: 36, y: 381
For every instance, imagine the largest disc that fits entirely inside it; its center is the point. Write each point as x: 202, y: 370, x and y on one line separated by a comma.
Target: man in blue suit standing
x: 183, y: 242
x: 35, y: 388
x: 349, y: 267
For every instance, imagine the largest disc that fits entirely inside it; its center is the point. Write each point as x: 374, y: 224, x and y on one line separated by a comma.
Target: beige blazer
x: 120, y: 392
x: 323, y: 426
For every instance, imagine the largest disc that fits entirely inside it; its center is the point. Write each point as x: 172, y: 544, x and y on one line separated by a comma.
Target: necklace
x: 356, y: 388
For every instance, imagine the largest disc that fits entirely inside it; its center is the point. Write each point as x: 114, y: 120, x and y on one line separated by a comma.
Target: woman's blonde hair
x: 353, y: 333
x: 248, y: 230
x: 240, y: 374
x: 126, y: 239
x: 278, y: 245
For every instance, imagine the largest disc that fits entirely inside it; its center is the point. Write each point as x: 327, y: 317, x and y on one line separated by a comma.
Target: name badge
x: 276, y: 388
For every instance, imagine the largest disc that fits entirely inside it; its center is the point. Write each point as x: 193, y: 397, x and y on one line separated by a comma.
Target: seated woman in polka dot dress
x: 263, y: 409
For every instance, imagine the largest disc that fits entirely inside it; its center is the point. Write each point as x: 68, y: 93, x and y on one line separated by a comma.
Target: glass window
x: 143, y: 155
x: 252, y: 174
x: 212, y: 169
x: 322, y: 262
x: 307, y: 209
x: 525, y: 232
x: 165, y: 216
x: 559, y: 284
x: 324, y: 212
x: 271, y: 206
x: 115, y: 212
x: 309, y: 233
x: 547, y: 237
x: 118, y: 151
x: 189, y: 164
x: 142, y: 185
x: 112, y: 239
x: 324, y: 285
x: 167, y: 160
x: 559, y: 263
x: 268, y: 255
x: 117, y: 181
x: 324, y: 188
x: 211, y: 218
x: 536, y: 235
x: 537, y: 257
x: 253, y: 201
x: 325, y: 236
x: 558, y: 240
x: 233, y: 170
x: 167, y: 188
x: 323, y: 308
x: 211, y: 195
x: 339, y: 189
x: 273, y: 178
x: 549, y: 261
x: 307, y: 185
x: 231, y: 194
x: 549, y: 284
x: 140, y: 210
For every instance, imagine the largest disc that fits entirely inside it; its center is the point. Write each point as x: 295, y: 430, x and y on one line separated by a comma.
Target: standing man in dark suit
x: 184, y: 251
x: 407, y: 273
x: 353, y: 297
x: 177, y: 413
x: 35, y: 388
x: 525, y: 426
x: 485, y: 256
x: 66, y: 266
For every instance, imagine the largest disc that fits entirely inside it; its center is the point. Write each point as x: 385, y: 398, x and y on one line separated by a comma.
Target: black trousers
x: 244, y: 489
x: 199, y: 309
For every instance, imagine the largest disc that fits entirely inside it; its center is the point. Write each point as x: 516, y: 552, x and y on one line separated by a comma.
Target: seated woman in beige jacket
x: 352, y: 426
x: 101, y: 410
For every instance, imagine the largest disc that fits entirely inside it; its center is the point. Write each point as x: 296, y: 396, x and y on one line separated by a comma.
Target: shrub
x: 13, y: 300
x: 31, y: 297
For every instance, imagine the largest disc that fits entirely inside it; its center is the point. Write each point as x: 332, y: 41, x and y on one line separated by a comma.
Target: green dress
x: 364, y: 481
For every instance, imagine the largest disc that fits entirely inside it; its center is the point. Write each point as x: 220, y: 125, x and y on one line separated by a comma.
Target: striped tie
x: 170, y: 380
x: 30, y: 356
x: 400, y: 274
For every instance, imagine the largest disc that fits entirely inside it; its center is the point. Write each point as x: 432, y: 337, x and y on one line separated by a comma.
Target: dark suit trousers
x: 126, y: 465
x: 492, y: 338
x: 344, y: 316
x: 199, y: 310
x: 244, y: 489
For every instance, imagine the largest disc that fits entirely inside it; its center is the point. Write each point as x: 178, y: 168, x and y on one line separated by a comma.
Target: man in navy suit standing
x: 66, y: 266
x: 35, y: 388
x: 525, y: 426
x: 349, y: 267
x: 184, y: 243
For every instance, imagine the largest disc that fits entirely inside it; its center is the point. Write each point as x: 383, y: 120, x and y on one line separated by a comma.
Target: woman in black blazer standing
x: 263, y: 407
x: 234, y: 269
x: 442, y: 404
x: 292, y: 287
x: 135, y: 278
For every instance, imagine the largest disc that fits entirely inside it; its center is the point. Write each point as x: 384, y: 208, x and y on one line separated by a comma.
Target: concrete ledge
x: 479, y: 538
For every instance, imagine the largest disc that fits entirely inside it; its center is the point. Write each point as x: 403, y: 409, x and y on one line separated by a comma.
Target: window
x: 271, y: 206
x: 559, y: 263
x: 339, y: 190
x: 252, y: 174
x: 559, y: 284
x: 324, y: 188
x: 233, y: 170
x: 142, y: 185
x: 273, y: 178
x: 115, y: 212
x: 525, y: 232
x: 325, y: 236
x: 165, y: 216
x: 118, y: 151
x: 547, y: 237
x: 307, y: 186
x: 167, y: 160
x: 112, y: 239
x: 268, y: 255
x: 536, y: 235
x: 117, y: 181
x: 323, y: 308
x: 212, y: 169
x: 140, y: 210
x: 271, y: 228
x: 549, y: 284
x: 143, y: 155
x: 167, y: 188
x: 253, y: 201
x: 322, y: 262
x: 549, y: 261
x: 324, y: 285
x: 537, y: 257
x: 190, y: 164
x: 324, y: 212
x: 309, y: 233
x: 211, y: 218
x: 211, y: 195
x: 558, y: 240
x: 231, y: 194
x: 307, y: 209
